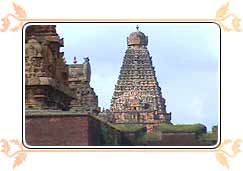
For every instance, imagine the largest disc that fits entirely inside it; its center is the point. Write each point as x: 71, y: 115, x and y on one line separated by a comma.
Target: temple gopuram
x: 137, y: 97
x: 50, y: 83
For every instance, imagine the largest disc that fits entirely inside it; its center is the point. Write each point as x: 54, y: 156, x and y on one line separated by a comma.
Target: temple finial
x: 75, y: 60
x: 86, y: 59
x: 137, y: 27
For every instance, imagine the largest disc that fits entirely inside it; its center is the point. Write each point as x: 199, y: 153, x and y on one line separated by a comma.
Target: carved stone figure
x: 86, y: 70
x: 33, y: 48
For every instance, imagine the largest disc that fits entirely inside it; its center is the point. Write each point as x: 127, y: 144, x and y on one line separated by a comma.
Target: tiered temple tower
x: 137, y: 97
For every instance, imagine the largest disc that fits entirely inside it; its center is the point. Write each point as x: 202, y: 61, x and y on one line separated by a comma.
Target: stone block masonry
x: 46, y: 73
x: 59, y: 130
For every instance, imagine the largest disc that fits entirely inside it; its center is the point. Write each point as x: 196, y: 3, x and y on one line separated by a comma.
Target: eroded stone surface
x: 46, y: 73
x: 79, y: 82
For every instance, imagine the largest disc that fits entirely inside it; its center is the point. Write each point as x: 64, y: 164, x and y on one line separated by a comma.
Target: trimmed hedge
x: 190, y: 128
x: 122, y: 127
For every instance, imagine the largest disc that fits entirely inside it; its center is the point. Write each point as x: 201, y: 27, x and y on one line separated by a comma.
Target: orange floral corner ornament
x: 19, y: 155
x: 222, y: 16
x: 19, y: 16
x: 223, y: 156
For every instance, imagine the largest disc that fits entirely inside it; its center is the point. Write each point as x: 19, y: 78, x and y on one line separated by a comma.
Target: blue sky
x: 185, y: 57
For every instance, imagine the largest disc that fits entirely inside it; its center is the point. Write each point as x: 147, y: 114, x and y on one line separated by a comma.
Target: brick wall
x: 57, y: 130
x: 73, y: 130
x: 179, y: 139
x: 174, y: 139
x: 84, y: 130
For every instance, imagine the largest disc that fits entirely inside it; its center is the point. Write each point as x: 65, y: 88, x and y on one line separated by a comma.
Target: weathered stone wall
x: 102, y: 134
x: 179, y: 139
x: 174, y: 139
x: 45, y: 69
x: 57, y: 130
x: 105, y: 134
x: 74, y: 130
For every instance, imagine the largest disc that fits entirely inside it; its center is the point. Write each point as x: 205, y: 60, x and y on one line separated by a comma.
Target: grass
x: 193, y: 128
x: 128, y: 127
x: 122, y: 127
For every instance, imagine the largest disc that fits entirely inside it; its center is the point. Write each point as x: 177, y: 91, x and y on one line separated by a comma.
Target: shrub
x: 209, y: 137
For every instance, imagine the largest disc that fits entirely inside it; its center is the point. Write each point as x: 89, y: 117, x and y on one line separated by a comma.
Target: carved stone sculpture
x: 33, y: 48
x: 86, y: 70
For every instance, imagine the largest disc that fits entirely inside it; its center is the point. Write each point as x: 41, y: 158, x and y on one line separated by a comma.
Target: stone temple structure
x: 50, y: 83
x: 79, y: 82
x: 137, y: 97
x: 46, y: 73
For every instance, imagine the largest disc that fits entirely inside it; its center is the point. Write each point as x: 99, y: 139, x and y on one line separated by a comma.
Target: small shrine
x: 79, y: 82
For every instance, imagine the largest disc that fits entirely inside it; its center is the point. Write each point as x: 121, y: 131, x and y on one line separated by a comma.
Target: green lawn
x: 189, y: 128
x: 128, y: 127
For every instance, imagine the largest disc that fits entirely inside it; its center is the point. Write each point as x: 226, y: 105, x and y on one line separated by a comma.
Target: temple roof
x: 137, y: 38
